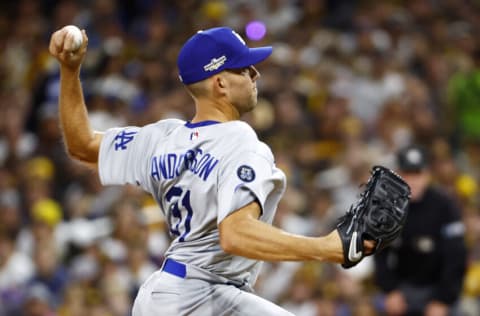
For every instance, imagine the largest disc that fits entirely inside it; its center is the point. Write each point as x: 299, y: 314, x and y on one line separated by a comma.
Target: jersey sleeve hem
x: 102, y: 156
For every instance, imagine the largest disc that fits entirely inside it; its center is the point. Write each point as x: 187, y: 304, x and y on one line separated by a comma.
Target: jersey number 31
x: 181, y: 205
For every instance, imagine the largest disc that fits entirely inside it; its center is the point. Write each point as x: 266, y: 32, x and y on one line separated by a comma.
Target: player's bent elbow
x: 84, y: 149
x: 85, y: 152
x: 78, y: 155
x: 235, y: 229
x: 82, y: 156
x: 227, y: 243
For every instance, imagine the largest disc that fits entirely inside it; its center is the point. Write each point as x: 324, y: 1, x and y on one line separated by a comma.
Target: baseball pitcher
x: 216, y: 183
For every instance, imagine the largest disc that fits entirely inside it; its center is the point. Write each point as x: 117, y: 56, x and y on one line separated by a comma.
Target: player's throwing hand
x: 61, y: 47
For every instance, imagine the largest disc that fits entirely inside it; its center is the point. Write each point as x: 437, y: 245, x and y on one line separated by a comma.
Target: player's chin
x: 249, y: 104
x: 254, y: 99
x: 252, y: 104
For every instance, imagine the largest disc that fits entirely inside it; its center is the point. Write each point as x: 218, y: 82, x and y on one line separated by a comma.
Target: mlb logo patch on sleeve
x: 246, y: 173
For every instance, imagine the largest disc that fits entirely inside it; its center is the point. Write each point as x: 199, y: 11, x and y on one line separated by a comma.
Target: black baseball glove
x: 378, y: 215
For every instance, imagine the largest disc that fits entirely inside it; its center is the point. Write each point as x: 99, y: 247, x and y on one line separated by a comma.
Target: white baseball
x: 73, y: 38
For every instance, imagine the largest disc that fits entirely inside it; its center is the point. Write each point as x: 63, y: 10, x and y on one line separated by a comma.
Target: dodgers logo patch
x: 246, y: 173
x: 123, y: 138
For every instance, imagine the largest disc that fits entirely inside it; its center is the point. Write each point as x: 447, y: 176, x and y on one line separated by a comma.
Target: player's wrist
x: 69, y: 70
x: 330, y: 248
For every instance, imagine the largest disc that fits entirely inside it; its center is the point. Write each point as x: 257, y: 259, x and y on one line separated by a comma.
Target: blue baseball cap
x: 211, y: 51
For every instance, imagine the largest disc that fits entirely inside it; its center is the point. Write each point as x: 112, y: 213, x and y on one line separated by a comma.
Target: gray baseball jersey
x: 198, y: 173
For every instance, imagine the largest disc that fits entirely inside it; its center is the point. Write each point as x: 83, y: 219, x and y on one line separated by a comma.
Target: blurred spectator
x: 140, y: 267
x: 74, y: 302
x: 275, y: 279
x: 422, y: 272
x: 114, y: 288
x: 50, y: 272
x: 16, y: 269
x: 45, y: 215
x: 38, y: 302
x: 299, y: 300
x: 127, y: 230
x: 15, y: 143
x: 11, y: 219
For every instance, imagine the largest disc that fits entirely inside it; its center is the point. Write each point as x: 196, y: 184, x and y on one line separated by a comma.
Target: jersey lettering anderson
x: 173, y: 165
x: 198, y: 173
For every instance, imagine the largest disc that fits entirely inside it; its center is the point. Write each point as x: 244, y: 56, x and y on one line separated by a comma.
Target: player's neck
x: 215, y: 111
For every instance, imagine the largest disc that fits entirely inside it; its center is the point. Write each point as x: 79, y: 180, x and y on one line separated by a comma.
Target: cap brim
x: 406, y: 166
x: 254, y: 56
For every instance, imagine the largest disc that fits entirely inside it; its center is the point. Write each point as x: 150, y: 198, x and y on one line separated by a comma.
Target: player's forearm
x: 81, y: 141
x: 251, y: 238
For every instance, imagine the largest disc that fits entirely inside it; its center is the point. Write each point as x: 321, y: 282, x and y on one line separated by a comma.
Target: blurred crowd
x: 348, y: 84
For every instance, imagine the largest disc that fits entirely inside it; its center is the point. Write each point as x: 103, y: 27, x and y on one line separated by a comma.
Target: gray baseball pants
x: 189, y: 292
